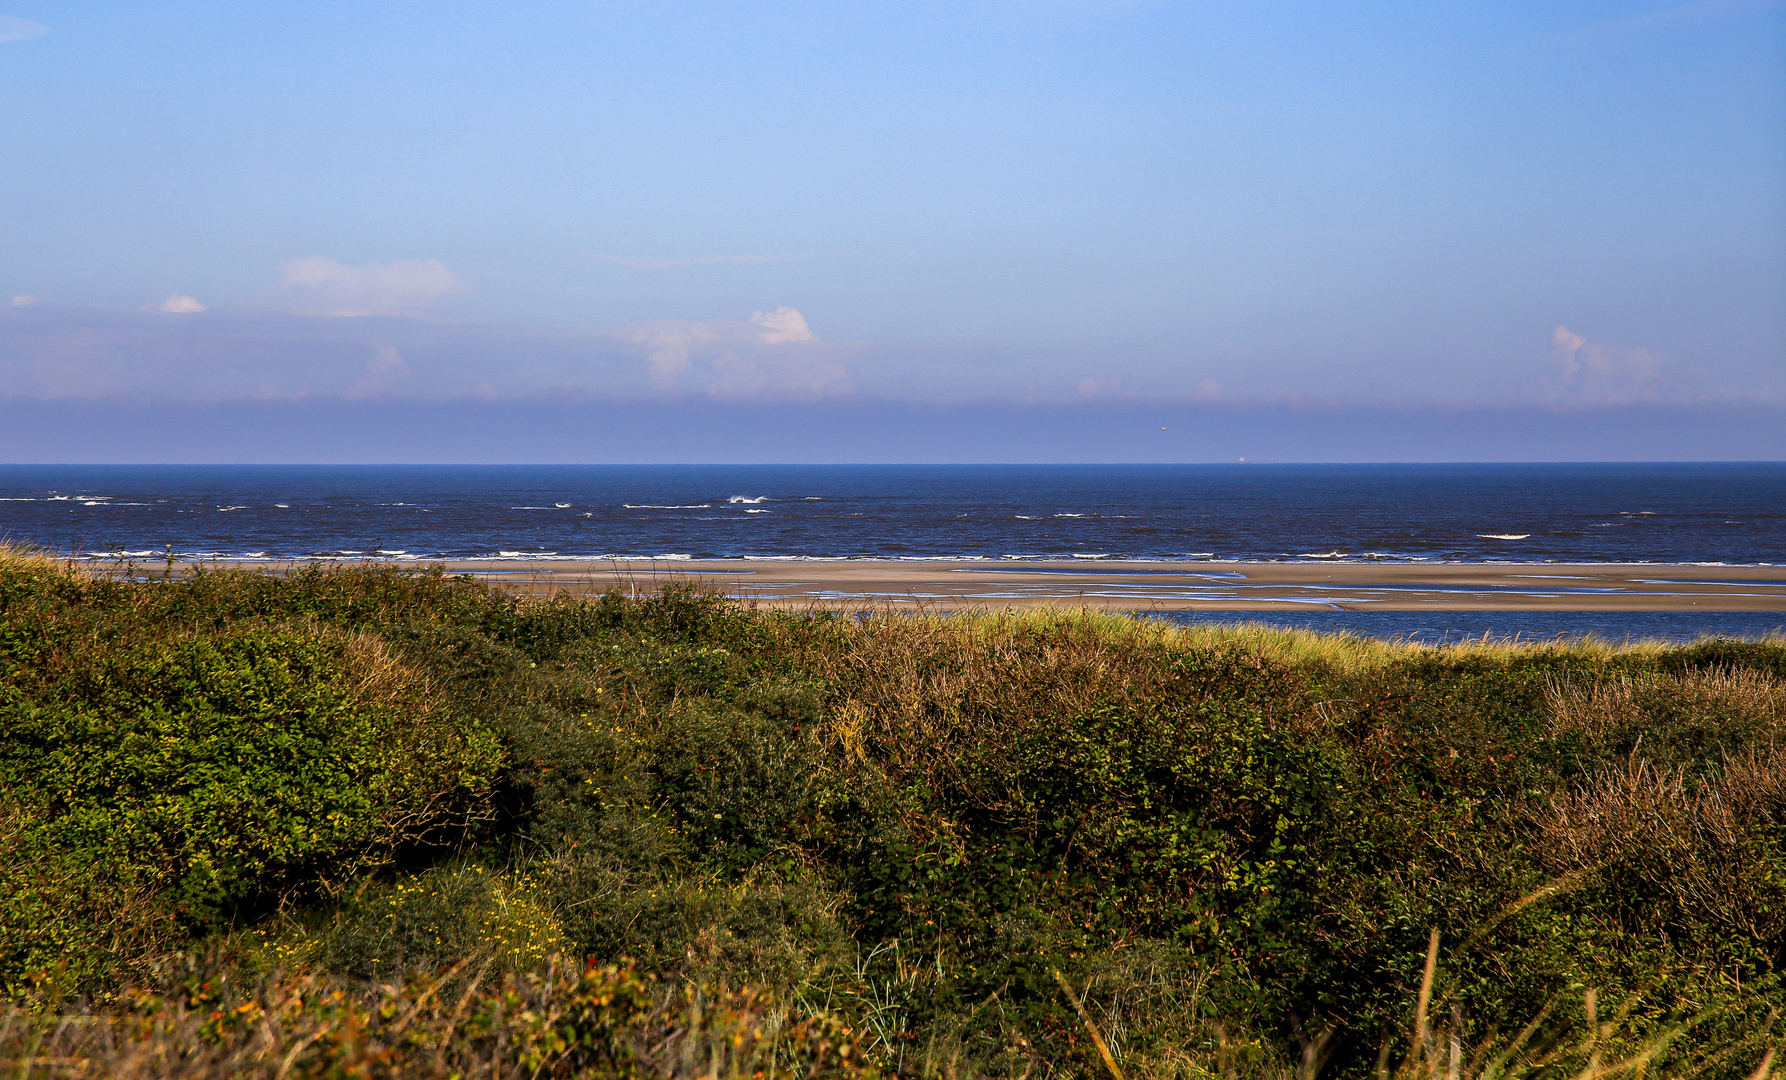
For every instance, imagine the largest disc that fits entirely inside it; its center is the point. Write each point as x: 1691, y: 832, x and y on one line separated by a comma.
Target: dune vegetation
x: 359, y: 821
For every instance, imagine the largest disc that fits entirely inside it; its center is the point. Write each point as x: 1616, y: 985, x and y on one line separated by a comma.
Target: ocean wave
x: 1068, y: 515
x: 667, y: 506
x: 1322, y: 555
x: 1503, y: 536
x: 283, y: 506
x: 227, y: 509
x: 1732, y: 584
x: 17, y: 500
x: 748, y: 499
x: 1023, y: 517
x: 561, y: 506
x: 758, y: 511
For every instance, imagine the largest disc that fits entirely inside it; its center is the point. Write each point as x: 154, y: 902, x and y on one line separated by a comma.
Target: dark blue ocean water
x: 1716, y: 513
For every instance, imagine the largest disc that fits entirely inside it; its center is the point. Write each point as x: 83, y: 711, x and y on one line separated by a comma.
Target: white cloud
x: 23, y: 301
x: 15, y: 29
x: 1586, y: 372
x: 774, y: 355
x: 319, y: 286
x: 178, y: 304
x: 782, y: 325
x: 670, y: 346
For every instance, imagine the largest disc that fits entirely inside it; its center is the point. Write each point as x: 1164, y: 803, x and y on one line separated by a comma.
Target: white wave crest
x: 1502, y: 536
x: 667, y: 506
x: 748, y: 499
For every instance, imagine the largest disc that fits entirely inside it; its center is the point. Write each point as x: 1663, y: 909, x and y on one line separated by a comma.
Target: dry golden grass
x: 1615, y: 704
x: 1682, y: 834
x: 27, y: 557
x: 467, y: 1023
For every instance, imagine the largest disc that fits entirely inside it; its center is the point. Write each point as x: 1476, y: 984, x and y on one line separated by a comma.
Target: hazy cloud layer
x: 324, y: 287
x: 535, y: 432
x: 183, y: 350
x: 229, y: 355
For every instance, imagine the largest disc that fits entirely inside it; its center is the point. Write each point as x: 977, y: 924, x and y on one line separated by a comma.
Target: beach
x: 1149, y: 585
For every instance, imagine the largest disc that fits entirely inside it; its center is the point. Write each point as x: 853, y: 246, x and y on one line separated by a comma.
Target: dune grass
x: 1011, y: 844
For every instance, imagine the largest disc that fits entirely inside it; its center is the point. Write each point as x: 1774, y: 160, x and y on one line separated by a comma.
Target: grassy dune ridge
x: 362, y: 821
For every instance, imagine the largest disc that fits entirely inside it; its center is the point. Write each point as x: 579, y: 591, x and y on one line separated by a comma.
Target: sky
x: 1355, y: 231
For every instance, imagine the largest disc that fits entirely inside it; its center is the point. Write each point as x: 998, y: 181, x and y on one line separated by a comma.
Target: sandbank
x: 941, y: 584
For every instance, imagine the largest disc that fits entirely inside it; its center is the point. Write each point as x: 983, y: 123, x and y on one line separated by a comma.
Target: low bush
x: 981, y: 843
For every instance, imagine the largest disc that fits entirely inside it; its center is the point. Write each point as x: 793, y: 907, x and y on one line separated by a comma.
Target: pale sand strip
x: 1173, y: 586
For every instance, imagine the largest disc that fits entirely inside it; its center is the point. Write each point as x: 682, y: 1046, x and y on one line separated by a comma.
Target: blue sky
x: 1103, y: 204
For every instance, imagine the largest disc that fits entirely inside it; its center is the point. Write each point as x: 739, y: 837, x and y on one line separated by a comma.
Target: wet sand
x: 1172, y: 586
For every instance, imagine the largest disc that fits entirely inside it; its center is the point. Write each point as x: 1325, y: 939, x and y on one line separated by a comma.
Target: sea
x: 1701, y: 514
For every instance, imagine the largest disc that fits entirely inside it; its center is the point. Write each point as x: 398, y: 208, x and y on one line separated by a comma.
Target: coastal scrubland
x: 358, y: 821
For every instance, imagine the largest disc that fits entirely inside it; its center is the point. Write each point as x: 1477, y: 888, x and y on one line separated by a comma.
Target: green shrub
x: 168, y: 782
x: 1234, y: 842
